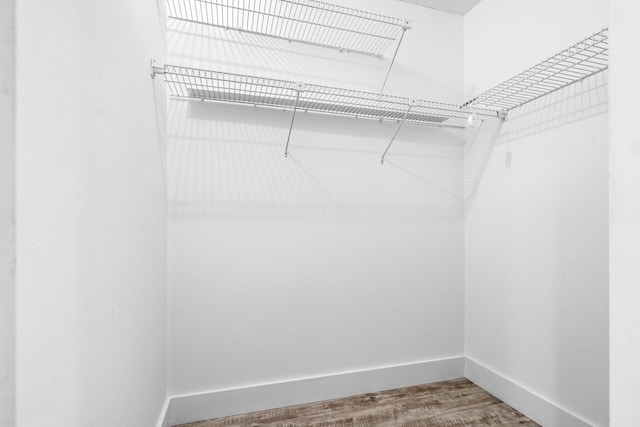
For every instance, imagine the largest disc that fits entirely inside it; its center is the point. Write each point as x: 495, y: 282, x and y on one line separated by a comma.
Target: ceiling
x: 458, y: 7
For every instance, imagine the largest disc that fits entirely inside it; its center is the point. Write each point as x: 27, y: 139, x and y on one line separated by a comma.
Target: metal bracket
x: 299, y: 87
x: 156, y: 69
x: 412, y: 103
x: 474, y: 120
x: 406, y: 26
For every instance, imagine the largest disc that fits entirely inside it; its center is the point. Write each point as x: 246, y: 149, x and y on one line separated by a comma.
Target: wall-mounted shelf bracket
x: 299, y: 87
x: 405, y: 26
x: 156, y: 69
x: 412, y: 103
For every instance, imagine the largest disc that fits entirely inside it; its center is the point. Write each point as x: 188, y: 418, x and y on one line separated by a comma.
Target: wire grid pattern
x: 236, y: 88
x: 582, y: 60
x: 307, y: 21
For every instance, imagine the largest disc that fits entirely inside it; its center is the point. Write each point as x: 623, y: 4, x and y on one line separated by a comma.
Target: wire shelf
x: 584, y: 59
x: 306, y: 21
x: 210, y: 85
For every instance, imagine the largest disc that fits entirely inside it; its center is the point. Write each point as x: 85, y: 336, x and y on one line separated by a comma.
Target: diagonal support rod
x: 405, y: 27
x: 406, y: 113
x: 299, y: 87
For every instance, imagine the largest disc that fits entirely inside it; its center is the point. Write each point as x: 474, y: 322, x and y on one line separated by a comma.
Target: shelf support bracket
x: 156, y: 69
x: 412, y: 103
x: 299, y: 88
x: 406, y: 26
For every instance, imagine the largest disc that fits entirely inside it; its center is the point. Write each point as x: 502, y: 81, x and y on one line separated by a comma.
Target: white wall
x: 326, y: 261
x: 625, y: 213
x: 7, y: 210
x: 537, y: 220
x: 91, y: 281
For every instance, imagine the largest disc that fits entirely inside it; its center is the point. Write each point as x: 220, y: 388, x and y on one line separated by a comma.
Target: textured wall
x: 625, y: 212
x: 91, y: 291
x: 7, y: 210
x: 537, y: 222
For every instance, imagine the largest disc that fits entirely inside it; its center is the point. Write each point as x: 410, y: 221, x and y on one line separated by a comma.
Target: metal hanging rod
x: 194, y: 83
x: 305, y: 21
x: 584, y: 59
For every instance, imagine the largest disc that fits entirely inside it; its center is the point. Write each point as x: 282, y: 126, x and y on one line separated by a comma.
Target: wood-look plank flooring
x: 445, y: 404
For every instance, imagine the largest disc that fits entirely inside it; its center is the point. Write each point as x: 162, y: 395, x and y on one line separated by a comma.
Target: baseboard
x: 532, y: 405
x: 222, y: 403
x: 165, y: 417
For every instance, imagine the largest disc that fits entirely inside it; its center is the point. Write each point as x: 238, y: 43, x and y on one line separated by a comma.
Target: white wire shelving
x: 200, y: 84
x: 584, y: 59
x: 305, y: 21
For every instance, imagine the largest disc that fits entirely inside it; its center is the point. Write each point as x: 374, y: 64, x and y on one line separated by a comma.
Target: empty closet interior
x: 339, y: 198
x: 295, y: 254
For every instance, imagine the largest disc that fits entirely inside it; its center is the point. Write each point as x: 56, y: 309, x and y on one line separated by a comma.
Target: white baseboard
x: 533, y: 406
x: 222, y: 403
x: 165, y: 418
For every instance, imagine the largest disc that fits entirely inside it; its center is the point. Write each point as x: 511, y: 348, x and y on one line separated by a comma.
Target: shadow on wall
x: 232, y: 51
x: 201, y: 46
x: 577, y: 102
x: 476, y: 156
x: 227, y: 161
x: 574, y: 103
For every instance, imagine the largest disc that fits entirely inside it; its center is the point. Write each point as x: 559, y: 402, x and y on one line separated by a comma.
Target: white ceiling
x: 458, y: 7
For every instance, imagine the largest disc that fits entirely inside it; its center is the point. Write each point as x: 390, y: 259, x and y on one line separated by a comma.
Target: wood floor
x: 446, y: 404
